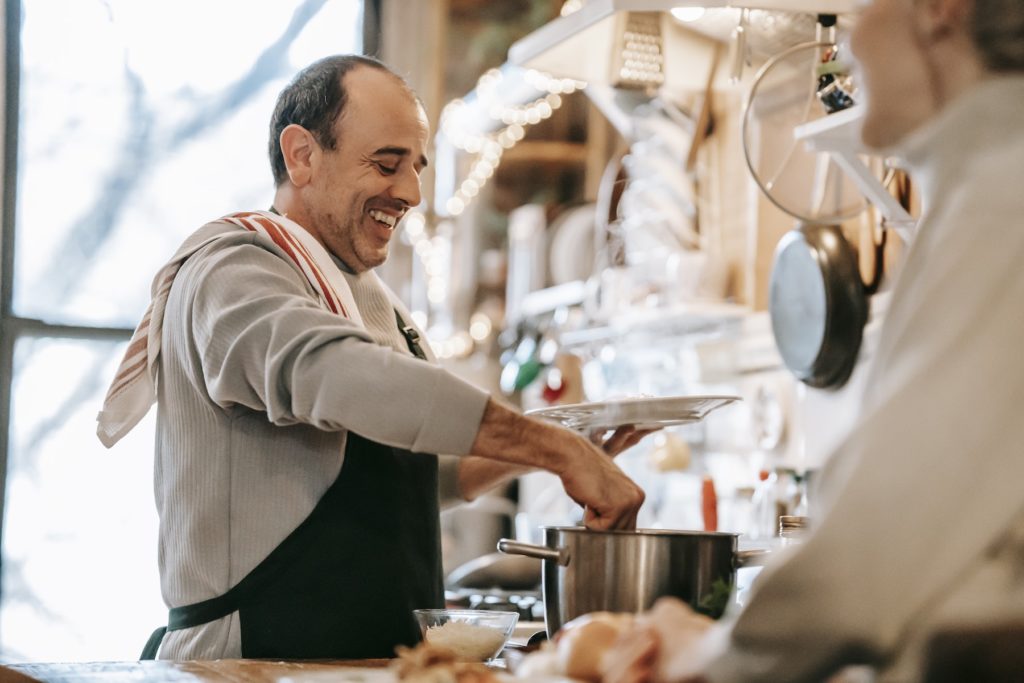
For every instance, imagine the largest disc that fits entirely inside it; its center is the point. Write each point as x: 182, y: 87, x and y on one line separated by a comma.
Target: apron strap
x: 153, y: 644
x: 194, y: 615
x: 412, y: 337
x: 203, y: 612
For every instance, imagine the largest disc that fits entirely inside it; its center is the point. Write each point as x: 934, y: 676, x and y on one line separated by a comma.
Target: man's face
x: 362, y: 188
x: 894, y: 70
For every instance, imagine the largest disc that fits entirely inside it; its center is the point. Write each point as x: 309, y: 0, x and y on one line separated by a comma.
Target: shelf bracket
x: 839, y: 135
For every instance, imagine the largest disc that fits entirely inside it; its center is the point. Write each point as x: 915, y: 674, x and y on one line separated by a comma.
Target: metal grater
x: 639, y: 59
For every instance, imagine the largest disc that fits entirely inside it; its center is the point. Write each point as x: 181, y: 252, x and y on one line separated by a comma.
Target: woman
x: 922, y: 528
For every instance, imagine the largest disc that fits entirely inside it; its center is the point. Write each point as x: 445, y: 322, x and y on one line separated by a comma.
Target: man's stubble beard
x: 348, y: 234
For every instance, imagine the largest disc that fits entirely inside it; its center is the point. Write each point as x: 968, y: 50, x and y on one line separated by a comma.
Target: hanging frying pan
x: 818, y: 304
x: 817, y: 301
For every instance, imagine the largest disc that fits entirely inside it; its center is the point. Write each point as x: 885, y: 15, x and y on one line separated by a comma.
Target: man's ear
x: 300, y: 151
x: 940, y: 18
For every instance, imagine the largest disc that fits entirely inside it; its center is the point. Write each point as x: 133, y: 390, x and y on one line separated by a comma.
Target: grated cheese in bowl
x: 472, y: 635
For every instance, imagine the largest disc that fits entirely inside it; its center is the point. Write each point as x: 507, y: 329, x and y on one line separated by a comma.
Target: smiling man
x: 351, y: 182
x: 298, y: 409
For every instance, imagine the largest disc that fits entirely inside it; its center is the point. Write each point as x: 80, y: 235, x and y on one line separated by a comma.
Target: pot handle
x: 754, y: 557
x: 541, y: 552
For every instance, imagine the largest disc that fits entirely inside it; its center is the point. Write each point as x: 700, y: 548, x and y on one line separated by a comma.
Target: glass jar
x: 793, y: 529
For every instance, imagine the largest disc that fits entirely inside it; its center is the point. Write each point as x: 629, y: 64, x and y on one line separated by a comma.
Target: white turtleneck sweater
x: 923, y: 526
x: 258, y: 385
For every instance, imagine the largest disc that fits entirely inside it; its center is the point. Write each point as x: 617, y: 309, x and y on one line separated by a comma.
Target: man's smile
x: 385, y: 218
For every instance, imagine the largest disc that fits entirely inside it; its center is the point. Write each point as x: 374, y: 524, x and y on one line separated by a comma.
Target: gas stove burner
x: 527, y: 603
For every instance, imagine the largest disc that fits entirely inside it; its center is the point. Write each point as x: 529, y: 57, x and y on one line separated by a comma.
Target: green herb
x: 714, y: 603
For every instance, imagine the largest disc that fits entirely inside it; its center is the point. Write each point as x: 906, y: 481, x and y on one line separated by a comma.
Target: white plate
x: 643, y: 413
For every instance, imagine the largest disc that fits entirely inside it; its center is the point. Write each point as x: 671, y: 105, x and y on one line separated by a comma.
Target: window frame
x: 14, y: 328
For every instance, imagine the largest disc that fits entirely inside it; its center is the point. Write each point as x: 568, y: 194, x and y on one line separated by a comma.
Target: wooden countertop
x: 214, y: 671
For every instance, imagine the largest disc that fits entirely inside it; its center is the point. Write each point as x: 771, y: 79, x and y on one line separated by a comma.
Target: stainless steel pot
x: 626, y: 571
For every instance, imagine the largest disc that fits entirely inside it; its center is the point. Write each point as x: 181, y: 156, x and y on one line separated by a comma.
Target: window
x: 136, y: 122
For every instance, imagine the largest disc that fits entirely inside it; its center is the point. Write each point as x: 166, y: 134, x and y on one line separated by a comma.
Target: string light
x: 570, y: 6
x: 434, y: 254
x: 480, y: 326
x: 687, y: 13
x: 489, y: 147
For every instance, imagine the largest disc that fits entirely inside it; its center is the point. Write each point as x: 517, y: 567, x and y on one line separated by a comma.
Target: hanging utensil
x: 740, y: 54
x: 818, y: 302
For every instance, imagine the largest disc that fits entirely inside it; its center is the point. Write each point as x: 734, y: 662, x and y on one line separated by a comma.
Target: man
x: 298, y: 505
x: 923, y: 523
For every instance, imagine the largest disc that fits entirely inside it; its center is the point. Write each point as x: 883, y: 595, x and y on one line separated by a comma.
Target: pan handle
x: 541, y: 552
x: 754, y: 557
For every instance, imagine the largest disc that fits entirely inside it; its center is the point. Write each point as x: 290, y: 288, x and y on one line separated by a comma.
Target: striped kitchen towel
x: 133, y: 391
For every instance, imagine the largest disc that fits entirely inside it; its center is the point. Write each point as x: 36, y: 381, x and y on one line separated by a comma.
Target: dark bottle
x: 831, y: 72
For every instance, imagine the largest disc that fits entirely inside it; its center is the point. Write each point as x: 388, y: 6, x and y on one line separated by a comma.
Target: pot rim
x: 641, y: 532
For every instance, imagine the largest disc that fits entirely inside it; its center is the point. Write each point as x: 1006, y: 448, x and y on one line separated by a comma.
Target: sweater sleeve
x: 264, y: 343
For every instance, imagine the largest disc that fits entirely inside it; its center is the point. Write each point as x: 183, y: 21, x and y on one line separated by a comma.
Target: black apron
x: 343, y: 584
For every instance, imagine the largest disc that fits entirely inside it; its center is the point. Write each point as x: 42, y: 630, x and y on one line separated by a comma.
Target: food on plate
x: 578, y: 648
x: 427, y: 663
x: 673, y: 633
x: 539, y: 664
x: 582, y: 642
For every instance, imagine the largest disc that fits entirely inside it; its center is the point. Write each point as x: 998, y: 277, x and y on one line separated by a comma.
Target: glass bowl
x: 473, y: 635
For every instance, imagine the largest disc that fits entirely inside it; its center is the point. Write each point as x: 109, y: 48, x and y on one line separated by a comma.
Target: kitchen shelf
x: 578, y: 45
x: 839, y: 135
x: 696, y: 319
x: 546, y: 152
